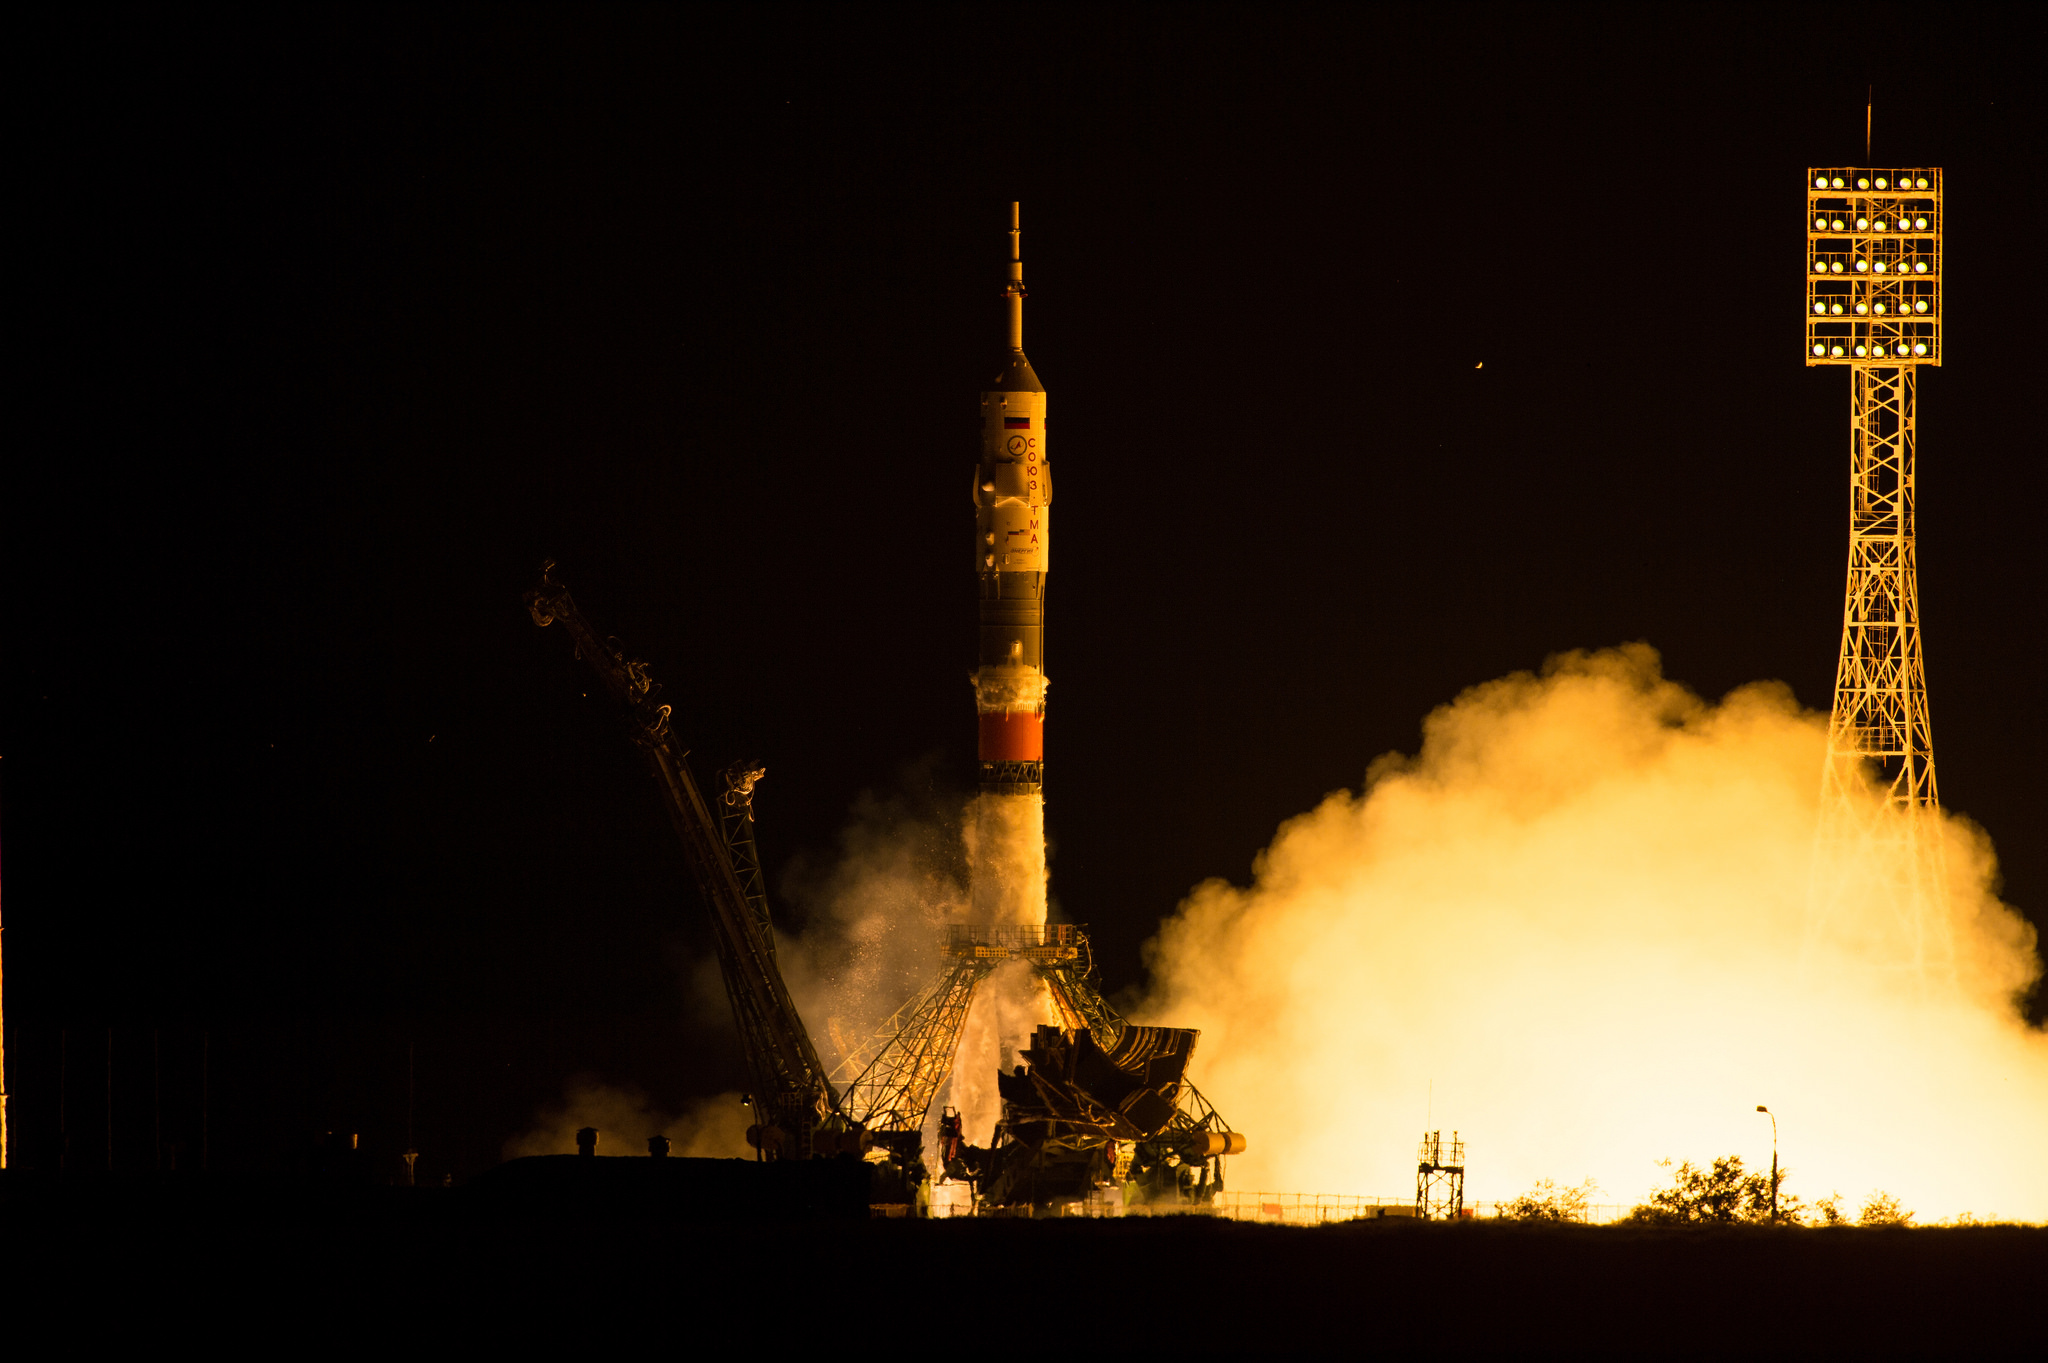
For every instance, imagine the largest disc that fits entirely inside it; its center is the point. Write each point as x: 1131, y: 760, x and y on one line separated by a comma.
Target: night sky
x: 332, y: 326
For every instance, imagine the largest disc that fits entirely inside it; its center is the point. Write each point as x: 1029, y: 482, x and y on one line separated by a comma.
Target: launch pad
x: 1102, y: 1101
x: 1099, y: 1102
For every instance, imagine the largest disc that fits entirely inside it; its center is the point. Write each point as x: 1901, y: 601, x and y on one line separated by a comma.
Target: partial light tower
x: 1873, y: 304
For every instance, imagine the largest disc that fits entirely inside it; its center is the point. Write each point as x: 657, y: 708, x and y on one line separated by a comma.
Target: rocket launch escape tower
x: 1873, y: 305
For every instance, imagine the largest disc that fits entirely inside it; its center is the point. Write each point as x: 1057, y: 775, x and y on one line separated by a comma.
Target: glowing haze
x: 1578, y: 913
x: 901, y: 876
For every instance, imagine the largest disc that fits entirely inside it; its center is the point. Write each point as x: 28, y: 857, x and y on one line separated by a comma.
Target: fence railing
x: 1280, y: 1209
x: 1317, y: 1209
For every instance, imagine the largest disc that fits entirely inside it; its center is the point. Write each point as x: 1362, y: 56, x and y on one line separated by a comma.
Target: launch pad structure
x: 1071, y: 1107
x: 1873, y: 305
x: 893, y: 1077
x: 1099, y: 1103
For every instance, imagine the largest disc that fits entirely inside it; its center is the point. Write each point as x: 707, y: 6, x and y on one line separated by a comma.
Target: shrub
x: 1548, y: 1202
x: 1722, y: 1194
x: 1882, y: 1209
x: 1828, y: 1212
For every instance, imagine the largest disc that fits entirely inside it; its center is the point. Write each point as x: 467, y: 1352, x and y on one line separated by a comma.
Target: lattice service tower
x: 1873, y: 304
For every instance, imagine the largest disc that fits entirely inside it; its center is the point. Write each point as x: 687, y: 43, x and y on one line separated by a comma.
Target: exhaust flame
x: 1005, y: 839
x: 1580, y: 912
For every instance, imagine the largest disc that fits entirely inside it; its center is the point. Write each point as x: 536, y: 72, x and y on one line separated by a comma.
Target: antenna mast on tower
x: 1873, y: 304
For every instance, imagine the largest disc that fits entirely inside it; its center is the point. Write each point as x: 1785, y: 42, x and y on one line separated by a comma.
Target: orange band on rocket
x: 1012, y: 736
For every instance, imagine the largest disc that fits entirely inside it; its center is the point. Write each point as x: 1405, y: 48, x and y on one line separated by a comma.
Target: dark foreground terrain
x: 286, y: 1267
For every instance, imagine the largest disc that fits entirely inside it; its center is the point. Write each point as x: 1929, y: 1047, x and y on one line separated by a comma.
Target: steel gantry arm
x: 892, y: 1078
x: 789, y: 1081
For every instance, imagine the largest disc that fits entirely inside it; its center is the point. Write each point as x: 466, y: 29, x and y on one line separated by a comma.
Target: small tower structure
x: 1440, y: 1177
x: 1873, y: 305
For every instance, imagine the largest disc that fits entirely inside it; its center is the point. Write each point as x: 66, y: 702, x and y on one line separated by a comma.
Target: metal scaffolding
x: 1171, y: 1154
x: 1873, y: 303
x: 1440, y: 1177
x: 892, y: 1078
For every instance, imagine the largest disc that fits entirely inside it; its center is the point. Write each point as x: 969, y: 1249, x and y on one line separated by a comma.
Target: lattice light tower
x: 1873, y: 304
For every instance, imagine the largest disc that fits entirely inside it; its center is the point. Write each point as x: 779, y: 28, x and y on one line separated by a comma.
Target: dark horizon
x: 341, y: 324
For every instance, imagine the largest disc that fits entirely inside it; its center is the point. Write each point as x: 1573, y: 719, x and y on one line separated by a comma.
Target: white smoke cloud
x: 907, y: 867
x: 1578, y: 913
x: 873, y: 916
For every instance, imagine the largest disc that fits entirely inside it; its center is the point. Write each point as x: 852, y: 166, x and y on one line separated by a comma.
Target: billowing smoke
x: 907, y: 867
x: 713, y: 1128
x: 874, y: 914
x: 1578, y: 915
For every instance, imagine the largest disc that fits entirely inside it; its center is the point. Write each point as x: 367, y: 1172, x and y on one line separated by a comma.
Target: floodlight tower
x: 1873, y: 304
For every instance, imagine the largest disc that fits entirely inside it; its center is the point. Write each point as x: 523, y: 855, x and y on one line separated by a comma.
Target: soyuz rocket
x: 1012, y: 506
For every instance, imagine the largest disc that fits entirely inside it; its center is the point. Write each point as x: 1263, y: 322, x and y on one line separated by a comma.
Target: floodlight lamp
x: 1836, y: 267
x: 1920, y: 224
x: 1862, y: 265
x: 1902, y: 347
x: 1880, y: 224
x: 1880, y: 309
x: 1880, y: 185
x: 1920, y: 306
x: 1859, y: 349
x: 1920, y: 267
x: 1920, y: 183
x: 1838, y: 307
x: 1920, y: 347
x: 1820, y: 350
x: 1820, y: 307
x: 1820, y: 224
x: 1863, y: 184
x: 1862, y: 308
x: 1820, y: 182
x: 1838, y: 182
x: 1862, y: 223
x: 1880, y: 267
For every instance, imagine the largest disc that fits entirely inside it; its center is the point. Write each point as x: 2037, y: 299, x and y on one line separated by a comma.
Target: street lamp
x: 1774, y: 1160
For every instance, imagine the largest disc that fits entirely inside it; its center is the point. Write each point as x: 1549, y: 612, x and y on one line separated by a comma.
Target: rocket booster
x: 1012, y: 506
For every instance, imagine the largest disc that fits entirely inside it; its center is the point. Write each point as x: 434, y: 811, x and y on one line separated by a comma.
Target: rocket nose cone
x: 1017, y: 377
